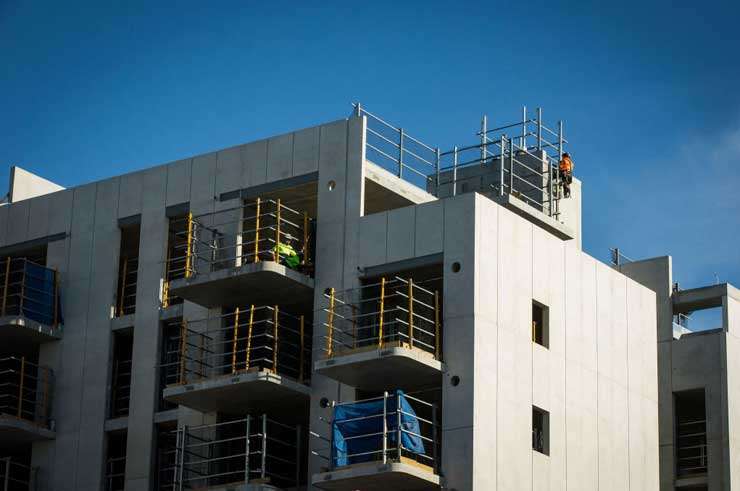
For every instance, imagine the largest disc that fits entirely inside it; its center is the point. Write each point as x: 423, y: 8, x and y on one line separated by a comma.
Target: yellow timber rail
x: 390, y: 312
x: 247, y: 338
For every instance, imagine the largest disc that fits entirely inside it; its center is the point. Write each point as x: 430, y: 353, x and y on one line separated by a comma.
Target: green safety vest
x: 289, y: 255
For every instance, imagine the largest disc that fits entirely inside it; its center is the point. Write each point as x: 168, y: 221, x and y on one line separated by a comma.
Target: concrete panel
x: 613, y: 430
x: 401, y: 230
x: 4, y: 225
x: 130, y: 194
x: 732, y: 342
x: 306, y: 151
x: 541, y: 472
x: 373, y: 239
x: 38, y: 223
x: 429, y: 233
x: 643, y: 446
x: 154, y: 187
x: 178, y: 182
x: 229, y: 170
x: 18, y: 217
x: 60, y: 212
x: 203, y: 179
x: 254, y: 160
x: 279, y: 157
x: 612, y: 324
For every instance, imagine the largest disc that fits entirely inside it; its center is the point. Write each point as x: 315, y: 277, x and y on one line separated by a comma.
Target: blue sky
x: 648, y: 91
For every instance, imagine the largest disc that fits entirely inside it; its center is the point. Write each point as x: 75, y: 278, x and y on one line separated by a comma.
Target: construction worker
x: 287, y: 254
x: 566, y: 173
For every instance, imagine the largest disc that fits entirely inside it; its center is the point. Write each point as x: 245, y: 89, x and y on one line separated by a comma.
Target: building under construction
x: 345, y: 307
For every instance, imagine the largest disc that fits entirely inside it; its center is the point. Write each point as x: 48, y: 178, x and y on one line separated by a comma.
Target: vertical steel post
x: 305, y: 238
x: 523, y: 139
x: 330, y: 326
x: 436, y: 326
x: 302, y: 344
x: 297, y: 456
x: 502, y: 143
x: 539, y: 129
x: 123, y: 287
x: 189, y: 247
x: 358, y: 109
x: 6, y: 478
x: 257, y: 233
x: 264, y: 446
x: 385, y: 426
x: 183, y: 348
x: 275, y: 339
x: 276, y: 254
x: 235, y: 341
x: 400, y: 152
x: 454, y: 171
x: 7, y: 279
x: 511, y: 165
x: 45, y: 396
x: 183, y: 456
x: 56, y: 297
x: 382, y: 308
x: 483, y: 138
x: 20, y: 386
x: 438, y: 156
x: 560, y: 156
x: 246, y: 451
x: 399, y: 434
x: 23, y: 286
x: 411, y: 312
x: 435, y: 464
x: 249, y: 335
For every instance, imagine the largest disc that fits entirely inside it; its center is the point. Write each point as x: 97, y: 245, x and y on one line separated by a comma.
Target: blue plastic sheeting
x: 364, y: 420
x: 38, y: 294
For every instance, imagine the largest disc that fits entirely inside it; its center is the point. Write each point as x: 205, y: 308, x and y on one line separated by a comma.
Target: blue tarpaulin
x: 39, y: 300
x: 358, y: 429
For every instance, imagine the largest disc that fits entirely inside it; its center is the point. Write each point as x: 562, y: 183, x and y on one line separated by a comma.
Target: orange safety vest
x: 566, y: 165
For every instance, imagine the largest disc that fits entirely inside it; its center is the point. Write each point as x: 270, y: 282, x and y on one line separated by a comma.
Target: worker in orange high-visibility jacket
x: 566, y: 173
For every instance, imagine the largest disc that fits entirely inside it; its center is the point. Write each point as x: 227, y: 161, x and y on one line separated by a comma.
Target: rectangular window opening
x: 115, y: 461
x: 540, y: 324
x: 691, y: 433
x: 540, y: 430
x: 169, y: 360
x: 128, y: 266
x: 123, y: 346
x: 177, y: 256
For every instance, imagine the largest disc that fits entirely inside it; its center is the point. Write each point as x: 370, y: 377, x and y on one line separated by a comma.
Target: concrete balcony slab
x: 20, y: 332
x: 240, y: 393
x: 377, y: 476
x: 262, y: 283
x: 370, y: 368
x: 16, y: 431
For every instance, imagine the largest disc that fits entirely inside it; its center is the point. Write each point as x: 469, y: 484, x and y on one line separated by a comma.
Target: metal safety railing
x: 115, y: 473
x: 126, y: 295
x: 394, y: 427
x: 259, y: 230
x: 249, y: 338
x: 30, y: 290
x: 255, y: 449
x: 120, y: 388
x: 179, y: 241
x: 390, y: 312
x: 691, y: 448
x: 16, y: 476
x: 25, y: 390
x: 618, y: 258
x: 519, y: 159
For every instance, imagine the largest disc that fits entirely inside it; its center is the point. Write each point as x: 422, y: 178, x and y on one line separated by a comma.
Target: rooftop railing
x: 25, y: 390
x: 254, y: 448
x: 253, y: 337
x: 392, y: 311
x: 394, y: 427
x: 30, y: 290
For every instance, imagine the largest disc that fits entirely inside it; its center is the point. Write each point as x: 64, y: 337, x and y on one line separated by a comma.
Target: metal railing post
x: 23, y: 287
x: 20, y: 387
x: 330, y: 326
x: 438, y: 158
x: 257, y: 233
x: 45, y: 396
x: 400, y: 152
x: 385, y: 426
x: 183, y: 456
x: 382, y: 308
x: 411, y: 312
x: 56, y: 297
x: 435, y: 465
x: 246, y: 451
x: 234, y: 342
x: 398, y: 425
x: 483, y: 139
x: 249, y: 336
x: 275, y: 339
x: 5, y: 288
x: 297, y: 456
x: 123, y: 287
x: 264, y: 446
x: 276, y: 254
x: 511, y: 165
x: 523, y: 139
x: 539, y: 129
x: 305, y: 238
x: 436, y: 326
x: 454, y: 171
x: 189, y: 247
x: 302, y: 348
x: 6, y: 478
x: 183, y: 349
x: 501, y: 161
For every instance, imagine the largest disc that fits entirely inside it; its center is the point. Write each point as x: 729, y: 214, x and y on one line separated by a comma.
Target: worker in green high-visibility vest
x: 287, y: 253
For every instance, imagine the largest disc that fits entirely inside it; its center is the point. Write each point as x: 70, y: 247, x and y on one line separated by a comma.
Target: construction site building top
x: 519, y: 160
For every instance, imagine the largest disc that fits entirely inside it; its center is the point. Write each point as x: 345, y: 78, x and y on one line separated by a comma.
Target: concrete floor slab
x: 377, y: 477
x: 241, y: 393
x: 21, y: 334
x: 372, y: 368
x: 262, y: 283
x: 16, y: 431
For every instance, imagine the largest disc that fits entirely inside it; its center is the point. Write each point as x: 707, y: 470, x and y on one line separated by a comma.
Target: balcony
x: 369, y: 449
x: 16, y: 476
x: 30, y: 308
x: 389, y: 329
x: 25, y: 394
x: 260, y: 252
x: 253, y: 358
x: 253, y: 452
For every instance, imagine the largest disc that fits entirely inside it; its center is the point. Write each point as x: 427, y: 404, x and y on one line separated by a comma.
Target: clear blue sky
x: 650, y: 94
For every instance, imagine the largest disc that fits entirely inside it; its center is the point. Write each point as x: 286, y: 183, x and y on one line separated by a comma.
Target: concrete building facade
x: 299, y: 313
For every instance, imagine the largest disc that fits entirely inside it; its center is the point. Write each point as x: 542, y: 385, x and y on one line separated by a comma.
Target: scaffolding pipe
x: 189, y: 248
x: 385, y: 426
x: 539, y: 129
x: 234, y: 341
x: 438, y: 158
x: 249, y: 335
x: 246, y: 451
x: 483, y: 139
x: 523, y: 139
x: 276, y: 254
x: 511, y: 166
x: 501, y: 161
x: 398, y: 426
x: 380, y: 321
x: 454, y: 172
x: 400, y: 152
x: 330, y: 325
x: 264, y: 446
x: 257, y: 234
